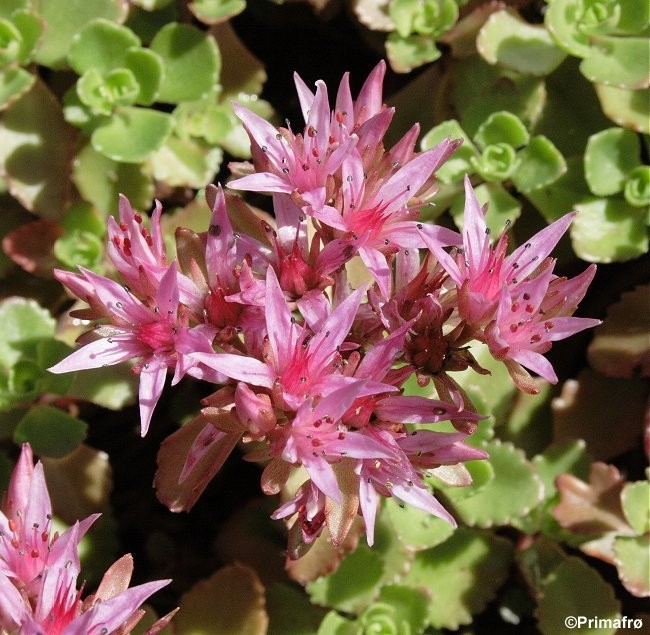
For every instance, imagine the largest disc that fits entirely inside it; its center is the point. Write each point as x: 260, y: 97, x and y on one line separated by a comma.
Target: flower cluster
x: 311, y: 370
x: 39, y: 569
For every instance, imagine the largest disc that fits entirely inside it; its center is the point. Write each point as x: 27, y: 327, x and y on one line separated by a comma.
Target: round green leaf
x: 416, y: 528
x: 23, y: 381
x: 463, y: 574
x: 538, y: 165
x: 637, y: 188
x: 35, y: 149
x: 610, y: 156
x: 11, y: 42
x: 353, y: 585
x: 77, y: 247
x: 184, y: 163
x: 65, y: 19
x: 567, y: 457
x: 101, y: 45
x: 24, y: 323
x: 502, y: 127
x: 608, y: 230
x: 14, y: 83
x: 147, y: 68
x: 507, y: 40
x: 635, y: 497
x: 50, y: 431
x: 103, y: 93
x: 627, y: 108
x: 633, y: 563
x: 132, y: 134
x: 564, y: 595
x: 399, y: 610
x: 618, y: 61
x: 31, y: 28
x: 216, y: 11
x: 192, y: 63
x: 459, y: 164
x: 203, y: 120
x: 562, y: 19
x: 7, y: 7
x: 407, y: 53
x: 496, y: 162
x: 101, y: 180
x: 498, y: 503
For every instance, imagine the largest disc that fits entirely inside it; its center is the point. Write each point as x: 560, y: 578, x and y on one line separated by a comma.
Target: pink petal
x: 152, y: 382
x: 262, y: 182
x: 238, y: 367
x: 103, y: 352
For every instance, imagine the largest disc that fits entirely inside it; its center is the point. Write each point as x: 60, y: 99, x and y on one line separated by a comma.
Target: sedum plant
x: 387, y: 326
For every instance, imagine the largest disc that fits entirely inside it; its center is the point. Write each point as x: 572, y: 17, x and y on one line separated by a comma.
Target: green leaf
x: 23, y: 381
x: 48, y: 352
x: 151, y: 5
x: 147, y: 68
x: 231, y: 601
x: 459, y: 163
x: 132, y: 134
x: 496, y: 162
x: 14, y: 83
x: 480, y: 89
x: 399, y: 610
x: 113, y: 387
x: 637, y: 188
x: 538, y: 165
x: 103, y: 93
x: 463, y: 574
x: 566, y: 457
x: 563, y: 596
x: 11, y: 43
x: 498, y: 503
x: 563, y: 21
x: 24, y: 324
x: 502, y: 127
x: 416, y: 528
x: 507, y: 40
x: 608, y: 230
x: 634, y: 498
x: 335, y: 624
x: 8, y: 7
x: 562, y: 195
x: 184, y: 163
x: 203, y: 120
x: 192, y: 63
x: 216, y: 11
x: 66, y: 18
x: 50, y: 431
x: 633, y: 563
x: 100, y: 180
x: 79, y: 248
x: 83, y: 217
x: 31, y: 28
x: 627, y: 108
x: 618, y: 61
x: 101, y: 46
x: 609, y: 158
x: 353, y: 585
x: 407, y: 53
x: 35, y: 149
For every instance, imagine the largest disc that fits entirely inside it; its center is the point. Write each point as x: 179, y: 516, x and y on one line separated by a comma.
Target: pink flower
x: 481, y: 270
x: 38, y: 571
x: 294, y: 163
x: 298, y: 363
x: 532, y: 316
x: 27, y: 543
x: 159, y: 337
x: 382, y: 212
